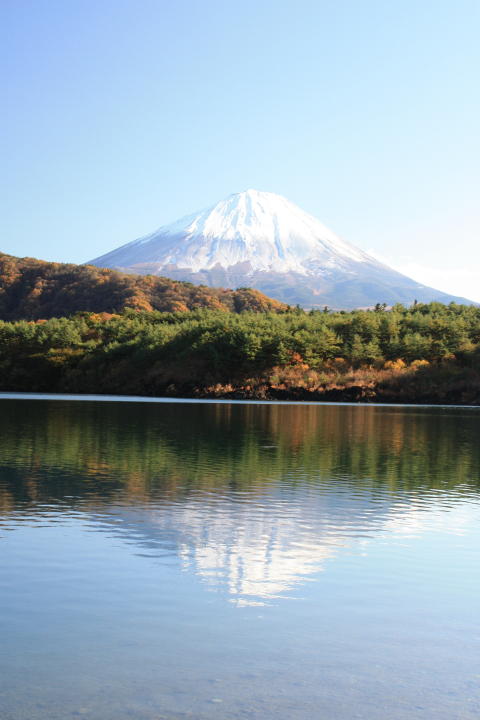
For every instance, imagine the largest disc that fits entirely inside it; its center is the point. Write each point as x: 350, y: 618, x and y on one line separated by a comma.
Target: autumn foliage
x: 31, y: 289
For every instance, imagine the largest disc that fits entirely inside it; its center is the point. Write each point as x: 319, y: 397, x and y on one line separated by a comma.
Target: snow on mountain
x: 261, y: 228
x: 262, y: 240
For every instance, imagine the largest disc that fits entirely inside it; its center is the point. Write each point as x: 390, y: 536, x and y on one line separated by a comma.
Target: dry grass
x: 394, y: 381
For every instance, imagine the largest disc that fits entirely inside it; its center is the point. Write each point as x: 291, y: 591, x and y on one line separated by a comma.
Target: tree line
x: 251, y: 354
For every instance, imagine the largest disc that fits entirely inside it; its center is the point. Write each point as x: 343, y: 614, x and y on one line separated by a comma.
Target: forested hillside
x: 425, y: 353
x: 33, y: 289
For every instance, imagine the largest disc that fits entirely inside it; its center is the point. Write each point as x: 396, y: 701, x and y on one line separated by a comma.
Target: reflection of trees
x: 52, y: 449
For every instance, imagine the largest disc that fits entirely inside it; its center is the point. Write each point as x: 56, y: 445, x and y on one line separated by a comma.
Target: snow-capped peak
x: 264, y: 241
x: 261, y: 228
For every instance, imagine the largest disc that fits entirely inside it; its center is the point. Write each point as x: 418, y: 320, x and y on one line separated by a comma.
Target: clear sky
x: 124, y: 115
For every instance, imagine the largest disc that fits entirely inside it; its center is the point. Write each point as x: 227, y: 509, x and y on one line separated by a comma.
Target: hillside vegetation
x: 425, y: 353
x: 33, y: 289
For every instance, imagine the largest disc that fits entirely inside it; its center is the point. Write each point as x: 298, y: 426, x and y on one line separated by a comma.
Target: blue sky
x: 126, y: 114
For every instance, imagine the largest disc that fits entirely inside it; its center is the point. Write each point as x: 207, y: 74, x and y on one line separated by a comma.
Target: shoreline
x: 94, y: 397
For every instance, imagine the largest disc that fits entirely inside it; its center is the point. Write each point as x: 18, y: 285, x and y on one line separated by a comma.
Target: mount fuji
x: 262, y: 240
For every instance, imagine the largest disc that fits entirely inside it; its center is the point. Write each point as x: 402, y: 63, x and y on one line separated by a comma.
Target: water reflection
x: 137, y: 540
x: 260, y: 551
x: 254, y: 500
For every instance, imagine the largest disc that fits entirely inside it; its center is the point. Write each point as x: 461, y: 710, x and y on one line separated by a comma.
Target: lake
x: 221, y: 561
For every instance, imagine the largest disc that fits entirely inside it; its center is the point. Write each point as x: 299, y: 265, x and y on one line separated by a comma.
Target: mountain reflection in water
x: 138, y: 540
x: 252, y: 499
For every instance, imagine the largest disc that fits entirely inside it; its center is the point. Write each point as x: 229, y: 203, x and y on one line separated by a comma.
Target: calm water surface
x: 223, y: 561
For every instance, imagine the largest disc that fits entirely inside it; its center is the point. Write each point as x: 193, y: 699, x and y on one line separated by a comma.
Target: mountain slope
x: 31, y: 289
x: 262, y: 240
